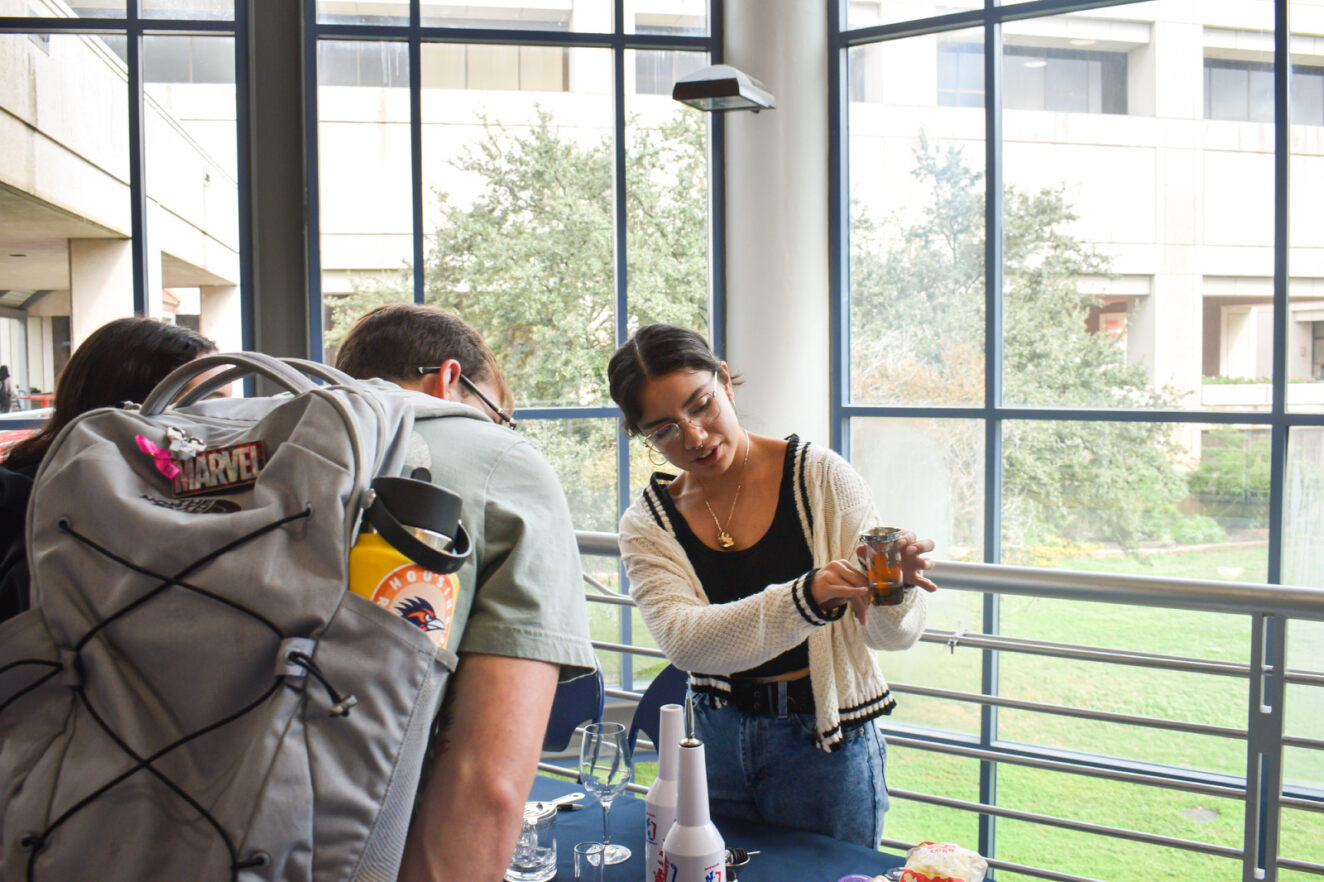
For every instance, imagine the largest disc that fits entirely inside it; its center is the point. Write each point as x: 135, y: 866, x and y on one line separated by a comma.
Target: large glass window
x: 1036, y: 78
x: 363, y: 147
x: 590, y: 15
x: 519, y: 219
x: 1305, y: 316
x: 520, y: 190
x: 917, y: 229
x: 102, y: 218
x: 193, y: 182
x: 656, y: 71
x: 1242, y: 91
x: 1068, y: 332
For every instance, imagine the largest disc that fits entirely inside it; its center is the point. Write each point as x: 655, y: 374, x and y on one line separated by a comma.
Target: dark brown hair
x: 655, y: 351
x: 393, y: 341
x: 120, y: 361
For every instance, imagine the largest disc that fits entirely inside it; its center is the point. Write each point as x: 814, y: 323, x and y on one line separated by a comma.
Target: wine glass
x: 605, y: 767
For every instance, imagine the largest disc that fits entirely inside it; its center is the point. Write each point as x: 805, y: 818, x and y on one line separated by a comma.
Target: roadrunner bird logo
x: 420, y: 612
x: 421, y: 597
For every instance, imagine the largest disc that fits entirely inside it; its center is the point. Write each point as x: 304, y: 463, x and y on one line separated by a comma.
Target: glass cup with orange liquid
x: 880, y: 556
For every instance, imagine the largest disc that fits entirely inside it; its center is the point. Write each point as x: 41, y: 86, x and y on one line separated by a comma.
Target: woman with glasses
x: 743, y: 569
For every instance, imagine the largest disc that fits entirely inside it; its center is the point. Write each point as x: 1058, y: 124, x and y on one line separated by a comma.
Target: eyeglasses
x: 700, y: 415
x: 502, y: 417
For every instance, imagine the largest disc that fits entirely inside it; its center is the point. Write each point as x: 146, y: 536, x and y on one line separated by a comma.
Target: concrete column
x: 16, y: 354
x: 1141, y: 332
x: 1176, y: 62
x: 154, y: 280
x: 220, y: 318
x: 100, y: 284
x: 41, y: 358
x: 591, y: 70
x: 777, y: 220
x: 1300, y: 345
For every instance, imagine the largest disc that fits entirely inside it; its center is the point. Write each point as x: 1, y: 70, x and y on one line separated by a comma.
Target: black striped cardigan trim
x: 805, y: 605
x: 659, y: 480
x: 800, y: 593
x: 802, y: 484
x: 835, y: 738
x: 655, y: 506
x: 718, y: 688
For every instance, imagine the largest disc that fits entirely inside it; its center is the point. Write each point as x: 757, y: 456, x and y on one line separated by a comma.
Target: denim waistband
x: 779, y: 697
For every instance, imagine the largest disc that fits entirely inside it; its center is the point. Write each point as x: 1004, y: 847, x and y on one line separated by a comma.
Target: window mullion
x: 993, y: 362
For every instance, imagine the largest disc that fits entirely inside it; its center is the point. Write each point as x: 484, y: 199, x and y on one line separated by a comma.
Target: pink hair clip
x: 164, y: 464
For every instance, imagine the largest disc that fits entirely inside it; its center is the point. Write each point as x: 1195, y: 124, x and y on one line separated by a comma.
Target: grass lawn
x: 1117, y: 688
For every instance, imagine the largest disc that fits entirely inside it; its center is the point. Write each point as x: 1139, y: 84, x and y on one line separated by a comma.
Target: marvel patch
x: 219, y: 469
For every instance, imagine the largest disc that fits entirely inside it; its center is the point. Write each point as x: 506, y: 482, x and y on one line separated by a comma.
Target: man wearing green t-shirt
x: 518, y: 621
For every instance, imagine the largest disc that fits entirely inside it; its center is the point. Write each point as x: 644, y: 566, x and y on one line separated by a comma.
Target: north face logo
x: 195, y: 505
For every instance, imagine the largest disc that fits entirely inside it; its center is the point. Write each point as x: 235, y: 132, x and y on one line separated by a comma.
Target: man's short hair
x: 392, y: 342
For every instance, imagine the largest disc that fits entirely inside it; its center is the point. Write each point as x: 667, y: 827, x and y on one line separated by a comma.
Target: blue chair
x: 668, y: 687
x: 577, y: 701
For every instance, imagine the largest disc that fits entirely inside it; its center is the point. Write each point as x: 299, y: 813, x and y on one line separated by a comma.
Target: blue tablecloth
x: 784, y: 855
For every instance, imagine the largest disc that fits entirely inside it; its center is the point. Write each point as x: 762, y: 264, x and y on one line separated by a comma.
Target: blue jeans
x: 765, y: 768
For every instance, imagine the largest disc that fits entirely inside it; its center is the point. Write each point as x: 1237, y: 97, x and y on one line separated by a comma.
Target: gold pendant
x: 724, y: 539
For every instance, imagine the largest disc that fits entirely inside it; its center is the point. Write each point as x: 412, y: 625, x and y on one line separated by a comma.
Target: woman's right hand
x: 839, y: 582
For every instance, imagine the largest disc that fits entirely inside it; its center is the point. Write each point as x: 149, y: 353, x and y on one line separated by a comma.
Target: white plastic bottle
x: 660, y: 804
x: 694, y: 850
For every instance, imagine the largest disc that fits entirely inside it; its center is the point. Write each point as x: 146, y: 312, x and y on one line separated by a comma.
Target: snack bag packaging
x: 943, y: 862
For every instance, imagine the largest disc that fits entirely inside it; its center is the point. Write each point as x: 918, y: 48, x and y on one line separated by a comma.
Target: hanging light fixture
x: 722, y: 87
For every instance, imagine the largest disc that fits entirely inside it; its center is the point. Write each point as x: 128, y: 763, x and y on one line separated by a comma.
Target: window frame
x: 1212, y: 63
x: 620, y: 42
x: 1109, y: 64
x: 134, y: 27
x: 993, y: 412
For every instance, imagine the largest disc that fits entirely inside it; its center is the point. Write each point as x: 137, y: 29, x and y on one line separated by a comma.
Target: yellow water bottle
x: 406, y: 557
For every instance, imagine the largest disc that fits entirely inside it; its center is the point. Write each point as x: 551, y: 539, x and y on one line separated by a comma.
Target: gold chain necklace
x: 723, y: 537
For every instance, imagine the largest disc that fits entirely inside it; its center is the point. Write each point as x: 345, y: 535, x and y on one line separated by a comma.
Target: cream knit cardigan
x: 714, y: 640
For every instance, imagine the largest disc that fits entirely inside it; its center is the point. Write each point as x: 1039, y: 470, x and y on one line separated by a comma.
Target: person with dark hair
x: 6, y: 389
x: 743, y: 569
x: 120, y: 361
x: 517, y: 620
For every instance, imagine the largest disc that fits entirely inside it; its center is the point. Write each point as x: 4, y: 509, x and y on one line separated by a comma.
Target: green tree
x: 917, y: 309
x: 530, y: 262
x: 1232, y: 479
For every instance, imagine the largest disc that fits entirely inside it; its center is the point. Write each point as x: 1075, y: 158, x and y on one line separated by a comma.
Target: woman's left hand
x: 912, y: 565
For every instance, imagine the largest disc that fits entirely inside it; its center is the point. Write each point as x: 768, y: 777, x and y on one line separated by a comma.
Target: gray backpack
x: 194, y: 694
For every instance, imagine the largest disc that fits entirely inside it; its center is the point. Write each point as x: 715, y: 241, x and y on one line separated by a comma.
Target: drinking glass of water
x: 605, y: 767
x: 534, y: 859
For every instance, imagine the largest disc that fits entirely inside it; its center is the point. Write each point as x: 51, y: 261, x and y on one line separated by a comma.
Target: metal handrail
x: 1069, y: 711
x: 630, y: 648
x: 1071, y: 824
x: 1163, y: 591
x: 1205, y: 595
x: 598, y: 544
x: 978, y: 640
x: 1267, y: 605
x: 1002, y: 756
x: 597, y: 585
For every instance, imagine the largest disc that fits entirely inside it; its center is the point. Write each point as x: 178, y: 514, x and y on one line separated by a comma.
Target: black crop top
x: 782, y: 554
